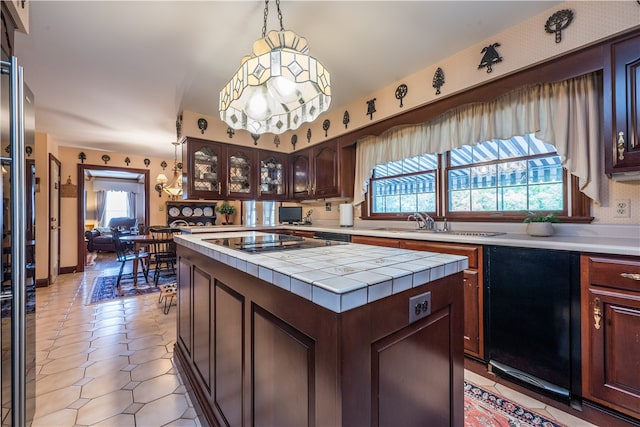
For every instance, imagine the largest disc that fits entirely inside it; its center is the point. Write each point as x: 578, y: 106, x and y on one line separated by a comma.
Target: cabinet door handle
x: 632, y: 276
x: 620, y: 145
x: 597, y: 313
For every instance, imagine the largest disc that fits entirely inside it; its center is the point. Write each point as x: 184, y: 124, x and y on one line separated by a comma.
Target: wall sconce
x: 161, y: 180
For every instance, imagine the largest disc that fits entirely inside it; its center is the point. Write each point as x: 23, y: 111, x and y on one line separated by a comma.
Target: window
x: 504, y: 177
x: 116, y: 205
x: 515, y: 175
x: 405, y: 186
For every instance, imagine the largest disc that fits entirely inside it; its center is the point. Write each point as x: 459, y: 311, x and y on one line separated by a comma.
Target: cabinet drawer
x: 621, y: 273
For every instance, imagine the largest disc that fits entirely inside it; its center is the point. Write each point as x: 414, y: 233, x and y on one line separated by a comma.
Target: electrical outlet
x: 419, y: 306
x: 623, y: 208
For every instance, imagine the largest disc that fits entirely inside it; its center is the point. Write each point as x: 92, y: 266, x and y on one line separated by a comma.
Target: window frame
x: 576, y: 205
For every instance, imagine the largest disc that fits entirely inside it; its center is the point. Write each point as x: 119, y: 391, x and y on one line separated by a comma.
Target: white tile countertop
x: 604, y: 239
x: 339, y: 277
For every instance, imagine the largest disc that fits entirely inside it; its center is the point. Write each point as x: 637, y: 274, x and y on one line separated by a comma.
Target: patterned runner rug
x: 104, y: 288
x: 485, y: 409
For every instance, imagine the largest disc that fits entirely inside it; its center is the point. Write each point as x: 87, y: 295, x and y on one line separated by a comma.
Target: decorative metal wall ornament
x: 371, y: 108
x: 294, y: 141
x: 7, y: 149
x: 345, y: 119
x: 147, y: 162
x: 438, y: 80
x: 558, y: 22
x: 127, y: 160
x: 308, y: 135
x: 276, y: 141
x: 179, y: 165
x: 326, y: 125
x: 106, y: 158
x: 230, y: 132
x: 68, y: 189
x: 255, y: 138
x: 163, y: 164
x: 29, y: 150
x: 82, y: 157
x: 490, y: 57
x: 401, y: 92
x: 202, y: 124
x: 179, y: 126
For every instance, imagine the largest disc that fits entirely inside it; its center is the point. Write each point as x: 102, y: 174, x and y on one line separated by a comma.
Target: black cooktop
x: 271, y: 242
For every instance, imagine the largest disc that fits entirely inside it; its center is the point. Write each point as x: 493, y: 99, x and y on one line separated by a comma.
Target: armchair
x: 101, y: 238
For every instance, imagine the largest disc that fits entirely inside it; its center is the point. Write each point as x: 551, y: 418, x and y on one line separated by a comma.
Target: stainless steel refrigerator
x: 17, y: 293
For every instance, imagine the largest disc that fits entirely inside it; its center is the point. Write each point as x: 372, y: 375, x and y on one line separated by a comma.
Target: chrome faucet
x: 424, y: 221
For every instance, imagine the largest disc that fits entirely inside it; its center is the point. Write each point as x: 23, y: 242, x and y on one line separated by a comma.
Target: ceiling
x: 113, y: 75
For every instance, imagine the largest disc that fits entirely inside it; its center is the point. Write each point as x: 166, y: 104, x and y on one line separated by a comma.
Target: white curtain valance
x: 565, y: 114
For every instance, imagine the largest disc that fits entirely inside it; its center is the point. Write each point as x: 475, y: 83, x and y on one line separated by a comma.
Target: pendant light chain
x: 266, y: 14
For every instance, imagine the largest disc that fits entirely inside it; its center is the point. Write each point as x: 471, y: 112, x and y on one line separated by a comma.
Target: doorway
x: 84, y: 171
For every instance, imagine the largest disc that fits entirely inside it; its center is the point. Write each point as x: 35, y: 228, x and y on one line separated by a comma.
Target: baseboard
x: 42, y: 283
x: 67, y: 270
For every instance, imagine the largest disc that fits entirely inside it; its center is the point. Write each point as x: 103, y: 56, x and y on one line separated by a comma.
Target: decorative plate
x: 197, y: 212
x: 186, y: 211
x: 208, y: 211
x: 174, y: 211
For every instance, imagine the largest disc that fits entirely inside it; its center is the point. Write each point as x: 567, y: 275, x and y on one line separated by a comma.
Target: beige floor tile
x: 567, y: 419
x: 109, y: 330
x: 477, y: 379
x: 105, y: 384
x: 104, y: 407
x: 55, y: 401
x: 147, y: 354
x: 183, y: 422
x: 108, y: 352
x: 155, y: 388
x: 71, y: 339
x: 151, y: 369
x: 120, y: 420
x: 162, y: 411
x: 68, y: 350
x: 109, y: 340
x: 63, y: 364
x: 519, y: 398
x: 65, y: 417
x: 106, y: 366
x: 146, y: 342
x: 57, y: 381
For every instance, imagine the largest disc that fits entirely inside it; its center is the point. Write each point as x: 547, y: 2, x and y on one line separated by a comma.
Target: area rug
x: 485, y: 409
x: 104, y: 288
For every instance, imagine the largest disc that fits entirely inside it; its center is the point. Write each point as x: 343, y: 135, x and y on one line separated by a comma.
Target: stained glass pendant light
x: 278, y: 87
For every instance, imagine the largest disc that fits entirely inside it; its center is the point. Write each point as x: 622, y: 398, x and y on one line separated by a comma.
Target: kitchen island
x: 330, y: 335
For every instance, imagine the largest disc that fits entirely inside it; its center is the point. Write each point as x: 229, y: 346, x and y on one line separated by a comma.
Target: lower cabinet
x: 610, y: 300
x: 473, y: 307
x: 253, y: 353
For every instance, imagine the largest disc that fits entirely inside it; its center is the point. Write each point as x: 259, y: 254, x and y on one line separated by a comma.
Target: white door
x: 54, y: 219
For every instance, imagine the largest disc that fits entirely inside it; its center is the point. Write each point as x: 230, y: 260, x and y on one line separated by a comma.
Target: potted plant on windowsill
x: 228, y: 210
x: 540, y: 224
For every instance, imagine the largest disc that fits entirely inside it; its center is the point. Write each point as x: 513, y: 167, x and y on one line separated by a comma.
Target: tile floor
x: 110, y: 364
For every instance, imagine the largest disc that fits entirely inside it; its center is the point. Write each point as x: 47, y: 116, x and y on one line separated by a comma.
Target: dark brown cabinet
x: 255, y: 354
x: 610, y: 302
x: 241, y: 173
x: 622, y: 105
x: 316, y: 172
x: 473, y: 307
x: 204, y: 170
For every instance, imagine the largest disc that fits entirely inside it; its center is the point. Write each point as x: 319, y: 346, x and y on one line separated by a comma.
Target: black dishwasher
x: 532, y: 318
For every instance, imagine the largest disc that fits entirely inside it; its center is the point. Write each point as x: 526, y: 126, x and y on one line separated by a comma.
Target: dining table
x: 144, y: 243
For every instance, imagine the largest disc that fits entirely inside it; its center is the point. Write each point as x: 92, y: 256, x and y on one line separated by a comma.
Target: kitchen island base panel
x: 256, y: 354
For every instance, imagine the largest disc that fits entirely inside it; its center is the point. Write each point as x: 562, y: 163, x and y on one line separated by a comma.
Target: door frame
x: 82, y: 247
x: 55, y: 160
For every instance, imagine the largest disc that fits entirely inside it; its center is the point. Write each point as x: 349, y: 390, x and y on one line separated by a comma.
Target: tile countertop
x: 339, y: 277
x: 604, y: 239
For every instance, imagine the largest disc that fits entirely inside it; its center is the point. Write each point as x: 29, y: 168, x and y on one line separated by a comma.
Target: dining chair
x: 125, y: 253
x: 164, y: 251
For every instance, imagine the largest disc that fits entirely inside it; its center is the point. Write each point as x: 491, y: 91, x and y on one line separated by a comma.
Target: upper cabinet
x: 622, y: 106
x: 203, y: 170
x: 324, y: 170
x: 18, y: 11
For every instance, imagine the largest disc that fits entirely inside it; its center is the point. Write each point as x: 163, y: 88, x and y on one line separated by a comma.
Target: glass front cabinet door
x: 272, y: 176
x: 240, y: 184
x: 204, y: 169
